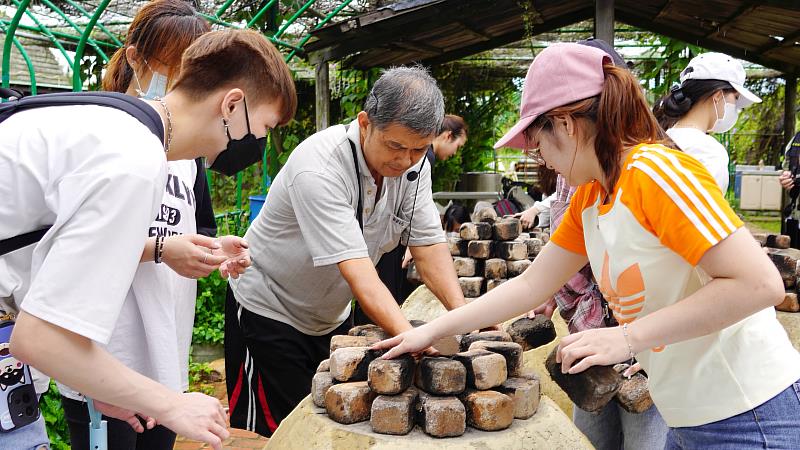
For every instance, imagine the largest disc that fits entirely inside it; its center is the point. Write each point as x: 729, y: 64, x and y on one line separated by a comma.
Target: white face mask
x: 157, y: 87
x: 729, y: 117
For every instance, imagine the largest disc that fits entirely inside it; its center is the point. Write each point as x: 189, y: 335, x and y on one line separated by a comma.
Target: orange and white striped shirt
x: 644, y: 246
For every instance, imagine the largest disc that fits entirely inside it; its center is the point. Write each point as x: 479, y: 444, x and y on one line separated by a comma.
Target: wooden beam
x: 510, y: 37
x: 744, y: 9
x: 418, y: 47
x: 471, y: 30
x: 664, y: 11
x: 323, y: 95
x: 604, y: 20
x: 789, y: 108
x: 647, y: 24
x: 787, y: 41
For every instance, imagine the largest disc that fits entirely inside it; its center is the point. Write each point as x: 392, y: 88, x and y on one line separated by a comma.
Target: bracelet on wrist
x: 627, y: 341
x: 158, y: 251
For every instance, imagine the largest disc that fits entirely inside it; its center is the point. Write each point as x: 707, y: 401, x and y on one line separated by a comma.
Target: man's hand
x: 237, y: 252
x: 786, y: 179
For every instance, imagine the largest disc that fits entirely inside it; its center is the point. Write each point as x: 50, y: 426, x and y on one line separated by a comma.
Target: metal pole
x: 77, y: 82
x: 294, y: 17
x: 28, y: 62
x: 319, y: 25
x: 91, y: 41
x: 45, y: 31
x: 260, y: 13
x: 99, y: 25
x: 10, y: 30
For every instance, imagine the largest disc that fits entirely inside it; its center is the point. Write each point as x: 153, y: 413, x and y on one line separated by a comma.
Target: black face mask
x: 240, y: 153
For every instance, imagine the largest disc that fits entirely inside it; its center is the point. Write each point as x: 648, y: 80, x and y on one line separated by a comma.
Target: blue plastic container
x: 256, y: 203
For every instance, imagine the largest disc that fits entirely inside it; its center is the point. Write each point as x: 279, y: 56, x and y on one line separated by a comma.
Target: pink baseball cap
x: 561, y: 74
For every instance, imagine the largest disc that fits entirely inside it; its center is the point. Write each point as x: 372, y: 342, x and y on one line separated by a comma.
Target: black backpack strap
x: 137, y: 108
x: 131, y: 105
x: 23, y: 240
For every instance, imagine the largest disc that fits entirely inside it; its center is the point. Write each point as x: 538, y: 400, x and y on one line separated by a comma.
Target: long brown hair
x: 161, y: 30
x: 621, y: 116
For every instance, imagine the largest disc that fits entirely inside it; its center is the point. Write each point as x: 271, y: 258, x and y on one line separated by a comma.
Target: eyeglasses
x: 535, y: 153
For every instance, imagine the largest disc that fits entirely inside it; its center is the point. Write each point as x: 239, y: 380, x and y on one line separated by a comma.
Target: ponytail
x: 119, y: 73
x: 623, y: 120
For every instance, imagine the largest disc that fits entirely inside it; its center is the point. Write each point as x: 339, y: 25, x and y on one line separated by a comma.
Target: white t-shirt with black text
x: 154, y: 330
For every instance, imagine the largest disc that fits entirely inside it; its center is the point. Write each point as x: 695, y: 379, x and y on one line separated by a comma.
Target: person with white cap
x: 708, y: 100
x: 722, y: 372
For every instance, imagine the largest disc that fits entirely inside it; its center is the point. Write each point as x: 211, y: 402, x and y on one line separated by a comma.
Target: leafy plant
x: 209, y: 318
x: 201, y: 375
x: 57, y: 429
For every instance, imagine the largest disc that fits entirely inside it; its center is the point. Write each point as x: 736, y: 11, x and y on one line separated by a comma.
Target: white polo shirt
x: 308, y: 225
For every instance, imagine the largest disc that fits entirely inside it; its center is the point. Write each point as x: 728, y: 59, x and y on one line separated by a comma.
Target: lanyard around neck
x: 360, y: 207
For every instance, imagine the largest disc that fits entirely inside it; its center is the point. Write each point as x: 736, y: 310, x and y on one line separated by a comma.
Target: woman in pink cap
x: 692, y: 291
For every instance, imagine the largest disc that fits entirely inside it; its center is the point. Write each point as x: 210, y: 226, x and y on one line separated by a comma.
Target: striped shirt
x: 665, y: 212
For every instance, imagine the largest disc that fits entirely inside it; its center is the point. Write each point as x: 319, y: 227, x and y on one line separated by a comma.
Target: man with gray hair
x: 346, y: 196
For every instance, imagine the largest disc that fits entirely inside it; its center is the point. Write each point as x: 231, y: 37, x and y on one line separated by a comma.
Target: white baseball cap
x: 719, y: 66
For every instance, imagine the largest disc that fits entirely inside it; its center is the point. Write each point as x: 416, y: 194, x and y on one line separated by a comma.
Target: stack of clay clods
x: 477, y: 380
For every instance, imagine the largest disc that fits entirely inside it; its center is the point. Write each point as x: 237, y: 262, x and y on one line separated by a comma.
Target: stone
x: 523, y: 236
x: 349, y: 402
x: 545, y: 237
x: 633, y: 394
x: 506, y: 229
x: 491, y: 284
x: 320, y: 383
x: 441, y: 416
x: 371, y: 331
x: 511, y: 351
x: 440, y: 376
x: 534, y: 246
x: 485, y: 369
x: 487, y: 215
x: 511, y: 250
x: 495, y: 269
x: 351, y: 363
x: 412, y: 274
x: 465, y: 267
x: 526, y: 395
x: 791, y: 323
x: 475, y: 231
x: 343, y: 341
x: 495, y: 336
x: 391, y: 376
x: 515, y: 268
x: 532, y: 333
x: 778, y: 241
x: 488, y: 410
x: 790, y: 303
x: 480, y: 249
x: 786, y: 262
x: 305, y: 428
x: 324, y: 366
x: 591, y: 389
x: 471, y: 286
x: 394, y: 414
x: 457, y: 246
x: 417, y: 322
x: 761, y: 238
x: 448, y: 346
